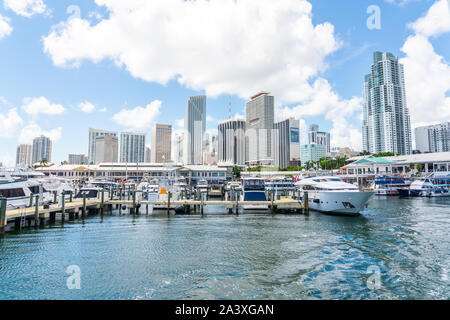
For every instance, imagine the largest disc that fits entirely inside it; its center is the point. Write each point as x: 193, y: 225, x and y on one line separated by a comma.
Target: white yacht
x: 18, y: 192
x: 435, y: 185
x: 332, y: 195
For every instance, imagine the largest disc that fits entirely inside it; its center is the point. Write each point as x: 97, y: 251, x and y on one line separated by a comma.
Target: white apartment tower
x: 434, y: 138
x: 94, y: 133
x: 106, y: 149
x: 231, y: 142
x: 161, y: 143
x: 24, y: 155
x: 259, y: 124
x: 42, y: 149
x: 132, y: 147
x: 178, y: 147
x: 194, y: 128
x: 386, y: 120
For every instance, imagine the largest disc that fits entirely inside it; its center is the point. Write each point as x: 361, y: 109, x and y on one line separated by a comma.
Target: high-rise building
x: 211, y: 143
x: 161, y: 150
x: 435, y: 138
x: 286, y: 143
x: 148, y: 158
x: 24, y: 155
x: 106, y: 149
x: 386, y: 120
x: 93, y: 133
x: 42, y: 149
x: 318, y: 137
x: 178, y: 148
x: 231, y: 142
x: 260, y: 119
x: 194, y: 128
x: 132, y: 147
x: 78, y: 159
x: 312, y: 152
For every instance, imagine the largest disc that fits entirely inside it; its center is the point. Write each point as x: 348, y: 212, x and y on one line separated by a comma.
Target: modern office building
x: 178, y: 148
x: 77, y: 159
x: 231, y: 142
x: 106, y: 149
x: 286, y: 143
x: 24, y: 155
x: 318, y: 137
x: 42, y: 149
x: 148, y: 155
x: 259, y: 124
x: 194, y: 129
x: 386, y: 120
x: 211, y: 142
x: 132, y: 147
x: 434, y: 138
x: 161, y: 143
x: 312, y: 152
x: 94, y: 133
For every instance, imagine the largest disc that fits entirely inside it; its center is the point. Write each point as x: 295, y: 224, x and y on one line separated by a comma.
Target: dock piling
x: 36, y: 211
x: 2, y: 215
x: 84, y: 206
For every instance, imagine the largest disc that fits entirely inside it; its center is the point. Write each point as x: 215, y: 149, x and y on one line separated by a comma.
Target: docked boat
x: 19, y: 192
x: 389, y: 186
x: 253, y: 191
x: 92, y: 193
x: 436, y: 185
x: 332, y: 195
x: 280, y: 187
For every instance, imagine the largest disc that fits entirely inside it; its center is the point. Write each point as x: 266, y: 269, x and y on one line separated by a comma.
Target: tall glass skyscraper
x: 132, y: 147
x: 42, y: 149
x: 194, y: 128
x: 386, y: 120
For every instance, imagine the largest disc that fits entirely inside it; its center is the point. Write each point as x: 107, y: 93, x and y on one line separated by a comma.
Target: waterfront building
x: 42, y: 149
x: 259, y: 124
x: 106, y: 149
x: 287, y: 143
x: 434, y: 138
x: 231, y: 142
x: 132, y: 147
x: 312, y: 152
x: 161, y: 142
x: 194, y: 128
x: 178, y: 147
x: 318, y: 137
x: 24, y: 155
x: 386, y: 120
x: 94, y: 133
x: 77, y: 159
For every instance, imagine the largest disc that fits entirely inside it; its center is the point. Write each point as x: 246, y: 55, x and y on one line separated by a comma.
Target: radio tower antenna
x: 229, y: 108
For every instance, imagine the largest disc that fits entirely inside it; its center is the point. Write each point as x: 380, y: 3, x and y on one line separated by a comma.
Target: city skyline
x: 44, y: 106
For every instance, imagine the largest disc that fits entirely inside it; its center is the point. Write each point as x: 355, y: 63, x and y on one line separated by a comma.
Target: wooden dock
x: 71, y: 209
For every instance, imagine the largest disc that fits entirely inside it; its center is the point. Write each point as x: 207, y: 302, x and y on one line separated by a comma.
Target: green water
x: 245, y: 257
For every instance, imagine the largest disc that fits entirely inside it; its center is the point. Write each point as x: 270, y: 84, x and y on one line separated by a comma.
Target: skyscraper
x: 106, y: 149
x: 132, y: 147
x: 318, y: 137
x: 435, y: 138
x: 287, y: 143
x: 178, y: 148
x: 24, y: 155
x: 161, y: 146
x: 210, y: 142
x: 386, y: 121
x: 260, y: 119
x: 231, y: 142
x: 194, y: 128
x: 93, y: 133
x: 42, y: 149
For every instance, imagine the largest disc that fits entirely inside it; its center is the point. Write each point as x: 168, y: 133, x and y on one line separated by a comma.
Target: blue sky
x: 86, y: 60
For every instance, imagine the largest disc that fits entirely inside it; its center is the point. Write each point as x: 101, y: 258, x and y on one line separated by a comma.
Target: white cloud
x: 103, y: 110
x: 32, y: 130
x: 26, y: 8
x: 10, y: 123
x: 86, y: 107
x: 5, y: 28
x: 427, y: 74
x: 179, y: 123
x: 139, y: 118
x: 35, y: 106
x: 220, y: 46
x: 7, y: 160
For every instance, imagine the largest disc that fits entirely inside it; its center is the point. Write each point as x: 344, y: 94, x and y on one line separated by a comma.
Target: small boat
x: 436, y: 185
x: 19, y: 192
x: 279, y: 187
x: 389, y: 186
x: 254, y: 191
x: 92, y: 193
x: 331, y: 195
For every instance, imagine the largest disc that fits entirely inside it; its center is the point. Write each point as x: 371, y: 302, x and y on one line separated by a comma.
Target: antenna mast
x: 229, y: 108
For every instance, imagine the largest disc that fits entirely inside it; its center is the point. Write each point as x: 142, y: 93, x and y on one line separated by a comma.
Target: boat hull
x: 339, y: 203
